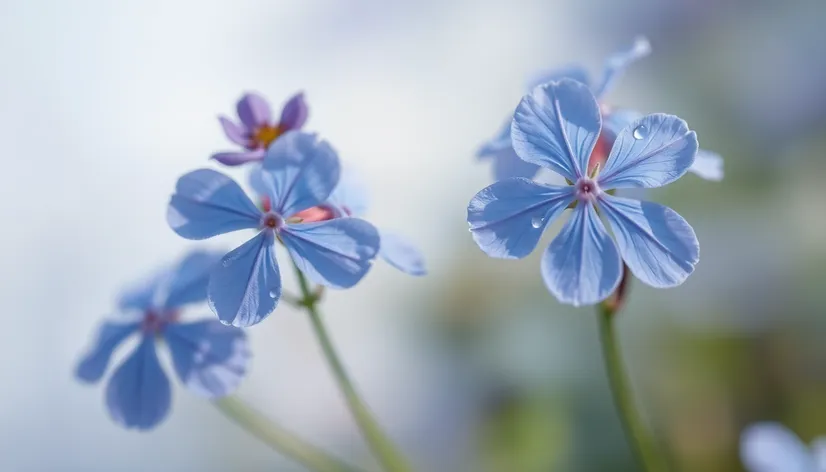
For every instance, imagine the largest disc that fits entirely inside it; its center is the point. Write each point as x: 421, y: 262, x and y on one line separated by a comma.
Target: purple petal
x: 400, y: 253
x: 294, y: 114
x: 139, y: 395
x: 771, y: 447
x: 235, y: 133
x: 233, y: 158
x: 253, y: 111
x: 617, y: 63
x: 94, y: 363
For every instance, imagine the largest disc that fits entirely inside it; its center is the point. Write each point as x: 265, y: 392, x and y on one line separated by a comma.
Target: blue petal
x: 506, y: 163
x: 616, y: 120
x: 582, y: 266
x: 400, y: 253
x: 94, y: 363
x: 708, y: 165
x: 508, y: 218
x: 336, y: 253
x: 350, y: 197
x: 557, y: 126
x: 617, y: 63
x: 207, y: 203
x: 138, y: 394
x: 142, y: 295
x: 572, y: 72
x: 188, y: 282
x: 771, y: 447
x: 246, y: 286
x: 658, y: 245
x: 654, y: 151
x: 299, y: 172
x: 210, y: 358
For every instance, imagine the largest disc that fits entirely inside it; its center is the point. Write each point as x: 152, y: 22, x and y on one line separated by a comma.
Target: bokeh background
x: 476, y: 367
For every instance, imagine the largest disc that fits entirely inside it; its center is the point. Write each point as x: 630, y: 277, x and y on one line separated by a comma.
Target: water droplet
x: 640, y: 132
x: 537, y: 222
x: 273, y: 294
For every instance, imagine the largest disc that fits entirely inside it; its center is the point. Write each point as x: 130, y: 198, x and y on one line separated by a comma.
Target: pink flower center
x: 155, y: 321
x: 587, y: 189
x: 271, y: 220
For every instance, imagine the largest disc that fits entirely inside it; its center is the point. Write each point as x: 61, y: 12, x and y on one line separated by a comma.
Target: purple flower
x: 300, y: 172
x: 257, y: 130
x: 209, y: 358
x: 557, y: 126
x: 506, y: 163
x: 771, y: 447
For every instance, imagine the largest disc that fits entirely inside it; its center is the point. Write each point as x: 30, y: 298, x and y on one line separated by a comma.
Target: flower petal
x: 253, y: 110
x: 138, y: 394
x: 506, y: 163
x: 657, y: 244
x: 508, y: 218
x: 708, y: 165
x: 653, y: 151
x: 771, y: 447
x: 142, y: 295
x: 246, y: 286
x: 350, y: 197
x: 207, y: 203
x: 572, y: 72
x: 617, y: 63
x: 188, y: 281
x: 294, y: 114
x: 235, y: 133
x: 210, y: 358
x: 336, y: 253
x: 557, y: 126
x: 818, y: 449
x: 616, y: 120
x: 93, y: 365
x: 237, y: 158
x: 582, y: 266
x: 299, y: 172
x: 400, y: 253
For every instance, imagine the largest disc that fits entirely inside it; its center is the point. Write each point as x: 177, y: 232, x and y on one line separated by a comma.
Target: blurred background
x: 475, y: 367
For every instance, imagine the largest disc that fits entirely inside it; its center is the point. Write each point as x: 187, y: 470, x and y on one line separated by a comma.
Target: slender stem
x: 635, y: 431
x: 384, y: 450
x: 278, y: 438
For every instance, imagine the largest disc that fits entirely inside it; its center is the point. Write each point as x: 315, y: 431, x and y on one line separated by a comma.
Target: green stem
x: 384, y: 450
x: 639, y: 439
x: 278, y: 438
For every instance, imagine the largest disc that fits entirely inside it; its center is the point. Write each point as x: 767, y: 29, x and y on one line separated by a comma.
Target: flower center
x: 265, y: 135
x: 271, y: 220
x: 154, y: 321
x: 316, y: 213
x: 587, y: 189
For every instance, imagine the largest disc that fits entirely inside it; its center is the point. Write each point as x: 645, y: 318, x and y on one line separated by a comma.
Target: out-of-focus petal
x: 336, y: 253
x: 657, y: 244
x: 506, y: 163
x: 617, y: 63
x: 508, y: 218
x: 771, y: 447
x: 93, y: 365
x: 234, y: 133
x: 299, y: 172
x: 582, y: 266
x: 142, y: 295
x: 294, y: 114
x: 188, y: 281
x: 210, y: 358
x: 557, y: 126
x: 237, y: 158
x: 708, y: 165
x: 573, y: 72
x: 253, y: 110
x: 654, y: 151
x: 138, y: 394
x: 246, y: 286
x: 207, y: 203
x: 350, y: 198
x: 402, y: 254
x: 616, y: 120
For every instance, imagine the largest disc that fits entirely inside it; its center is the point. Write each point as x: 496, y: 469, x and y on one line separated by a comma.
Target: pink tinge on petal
x: 600, y: 153
x: 316, y: 213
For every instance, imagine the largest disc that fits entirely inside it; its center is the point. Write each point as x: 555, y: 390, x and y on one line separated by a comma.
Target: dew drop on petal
x: 273, y: 294
x: 537, y: 222
x: 640, y: 132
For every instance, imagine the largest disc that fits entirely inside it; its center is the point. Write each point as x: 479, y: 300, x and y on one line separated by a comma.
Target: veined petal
x: 708, y: 165
x: 771, y: 447
x: 210, y: 358
x: 253, y: 110
x: 93, y: 365
x: 234, y: 133
x: 188, y: 281
x: 336, y: 253
x: 294, y: 114
x: 653, y: 151
x: 657, y: 244
x: 582, y: 266
x: 237, y: 158
x: 246, y: 286
x: 506, y: 163
x: 207, y: 203
x: 400, y: 253
x: 617, y: 63
x: 508, y: 218
x: 138, y: 395
x: 299, y: 172
x: 557, y: 126
x: 573, y: 72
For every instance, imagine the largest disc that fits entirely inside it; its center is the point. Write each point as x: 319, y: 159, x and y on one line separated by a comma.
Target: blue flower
x: 557, y: 126
x: 209, y: 358
x: 771, y: 447
x: 506, y: 163
x: 299, y: 172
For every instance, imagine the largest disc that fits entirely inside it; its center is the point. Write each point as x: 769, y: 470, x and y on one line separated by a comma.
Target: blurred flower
x: 300, y: 172
x: 257, y: 130
x: 771, y: 447
x: 209, y: 358
x: 557, y: 126
x: 506, y: 163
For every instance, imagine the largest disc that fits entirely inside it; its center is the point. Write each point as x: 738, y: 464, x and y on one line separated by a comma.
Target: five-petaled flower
x: 300, y: 172
x: 506, y: 163
x: 771, y: 447
x: 209, y: 358
x: 257, y: 130
x: 557, y: 126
